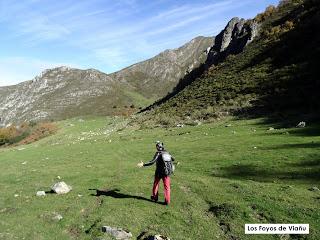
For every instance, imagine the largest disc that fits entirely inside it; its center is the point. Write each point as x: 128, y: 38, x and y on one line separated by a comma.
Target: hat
x: 159, y: 145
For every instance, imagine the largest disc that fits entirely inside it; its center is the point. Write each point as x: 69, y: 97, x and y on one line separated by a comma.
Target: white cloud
x: 111, y: 33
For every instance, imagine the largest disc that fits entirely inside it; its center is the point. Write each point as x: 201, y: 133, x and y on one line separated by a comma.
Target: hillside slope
x: 276, y: 74
x: 223, y: 181
x: 66, y: 92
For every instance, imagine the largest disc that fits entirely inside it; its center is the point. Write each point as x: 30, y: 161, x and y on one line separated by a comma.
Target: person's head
x: 159, y: 146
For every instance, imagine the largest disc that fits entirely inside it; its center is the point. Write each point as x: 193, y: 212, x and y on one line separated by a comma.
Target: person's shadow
x: 115, y: 193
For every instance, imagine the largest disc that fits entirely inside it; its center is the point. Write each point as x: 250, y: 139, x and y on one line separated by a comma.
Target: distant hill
x: 277, y: 74
x: 67, y: 92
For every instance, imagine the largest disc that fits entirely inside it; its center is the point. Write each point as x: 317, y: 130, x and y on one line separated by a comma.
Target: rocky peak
x: 233, y: 38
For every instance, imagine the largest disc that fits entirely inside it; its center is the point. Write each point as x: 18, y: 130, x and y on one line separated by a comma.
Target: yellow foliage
x: 267, y: 13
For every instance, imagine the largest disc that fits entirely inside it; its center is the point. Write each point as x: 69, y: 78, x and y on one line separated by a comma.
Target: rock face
x: 236, y: 35
x: 67, y: 92
x: 61, y: 188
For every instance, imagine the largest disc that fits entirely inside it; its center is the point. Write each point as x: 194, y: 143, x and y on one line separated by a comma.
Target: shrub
x: 25, y: 133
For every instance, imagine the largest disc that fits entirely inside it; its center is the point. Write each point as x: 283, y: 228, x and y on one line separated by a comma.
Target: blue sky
x: 104, y: 34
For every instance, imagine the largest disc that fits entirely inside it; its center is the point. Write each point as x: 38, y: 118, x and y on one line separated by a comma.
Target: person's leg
x: 166, y: 183
x: 155, y: 188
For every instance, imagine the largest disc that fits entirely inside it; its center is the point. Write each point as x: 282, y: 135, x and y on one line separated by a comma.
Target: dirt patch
x: 224, y: 210
x: 74, y: 231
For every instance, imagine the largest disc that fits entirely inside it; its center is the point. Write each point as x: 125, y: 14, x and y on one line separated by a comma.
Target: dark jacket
x: 159, y: 163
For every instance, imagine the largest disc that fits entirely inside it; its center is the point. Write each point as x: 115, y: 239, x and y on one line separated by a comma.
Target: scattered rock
x: 61, y: 188
x: 314, y: 189
x: 286, y: 187
x: 160, y: 237
x: 57, y: 217
x: 180, y: 125
x: 146, y: 236
x: 20, y: 149
x: 228, y: 125
x: 301, y: 125
x: 270, y: 129
x: 255, y: 147
x: 58, y: 177
x: 24, y: 163
x: 118, y: 233
x: 80, y: 120
x: 41, y: 193
x: 16, y: 195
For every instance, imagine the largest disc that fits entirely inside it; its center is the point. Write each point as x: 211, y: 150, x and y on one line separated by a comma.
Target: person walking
x: 164, y: 168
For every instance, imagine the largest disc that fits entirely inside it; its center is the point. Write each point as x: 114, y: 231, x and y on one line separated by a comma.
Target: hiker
x: 164, y: 168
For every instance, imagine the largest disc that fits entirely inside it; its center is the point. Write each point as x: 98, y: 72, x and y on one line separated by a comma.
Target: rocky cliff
x: 231, y: 40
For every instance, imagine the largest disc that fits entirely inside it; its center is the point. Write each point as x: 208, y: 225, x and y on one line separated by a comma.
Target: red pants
x: 166, y: 184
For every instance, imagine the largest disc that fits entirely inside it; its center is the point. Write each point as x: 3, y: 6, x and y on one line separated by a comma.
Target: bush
x: 25, y: 133
x: 267, y: 13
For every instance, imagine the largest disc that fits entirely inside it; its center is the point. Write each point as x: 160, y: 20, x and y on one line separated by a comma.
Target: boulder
x: 301, y: 125
x: 57, y: 217
x: 117, y: 233
x: 61, y: 188
x: 160, y: 237
x: 41, y: 193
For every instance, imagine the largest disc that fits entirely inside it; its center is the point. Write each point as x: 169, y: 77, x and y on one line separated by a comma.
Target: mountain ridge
x: 106, y: 94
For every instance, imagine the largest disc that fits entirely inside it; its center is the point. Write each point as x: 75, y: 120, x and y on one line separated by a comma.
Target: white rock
x: 24, y: 163
x: 41, y: 193
x: 301, y: 125
x: 160, y: 237
x: 57, y: 217
x: 16, y: 195
x: 117, y: 233
x: 270, y: 129
x: 61, y: 188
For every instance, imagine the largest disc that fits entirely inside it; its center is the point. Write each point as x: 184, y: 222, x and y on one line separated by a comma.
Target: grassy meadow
x: 231, y: 172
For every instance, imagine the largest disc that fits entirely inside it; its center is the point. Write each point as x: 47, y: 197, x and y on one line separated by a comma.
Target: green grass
x: 228, y: 176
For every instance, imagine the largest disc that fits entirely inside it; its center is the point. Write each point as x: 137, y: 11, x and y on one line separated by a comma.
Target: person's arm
x: 153, y: 160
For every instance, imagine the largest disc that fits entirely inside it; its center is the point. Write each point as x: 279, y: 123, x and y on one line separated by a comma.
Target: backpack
x: 168, y: 166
